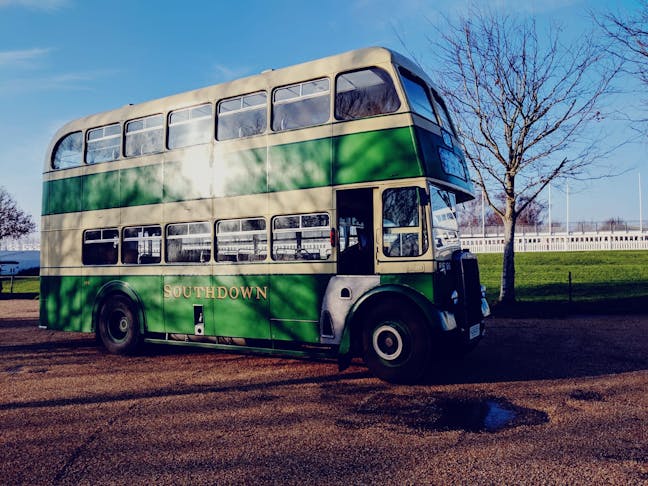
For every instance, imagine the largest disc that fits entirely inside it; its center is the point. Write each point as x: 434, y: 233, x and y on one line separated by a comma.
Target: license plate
x: 473, y: 332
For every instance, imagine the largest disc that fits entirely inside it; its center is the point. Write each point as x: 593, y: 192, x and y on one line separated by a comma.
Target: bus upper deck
x: 299, y: 127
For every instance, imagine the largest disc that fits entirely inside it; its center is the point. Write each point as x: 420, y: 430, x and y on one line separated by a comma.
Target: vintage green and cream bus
x: 308, y: 210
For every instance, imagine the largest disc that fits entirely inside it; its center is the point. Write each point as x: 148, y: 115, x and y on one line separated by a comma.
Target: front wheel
x: 396, y: 345
x: 118, y: 326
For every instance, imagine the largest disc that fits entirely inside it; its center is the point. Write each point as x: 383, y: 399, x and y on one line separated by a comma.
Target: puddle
x: 442, y: 412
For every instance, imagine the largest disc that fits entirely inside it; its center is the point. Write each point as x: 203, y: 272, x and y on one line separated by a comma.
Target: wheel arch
x: 116, y: 287
x: 400, y: 295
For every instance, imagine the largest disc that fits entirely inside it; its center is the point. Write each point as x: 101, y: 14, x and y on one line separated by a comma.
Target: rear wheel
x: 118, y: 326
x: 396, y: 344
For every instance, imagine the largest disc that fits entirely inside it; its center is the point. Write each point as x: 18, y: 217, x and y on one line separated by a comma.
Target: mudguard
x: 117, y: 286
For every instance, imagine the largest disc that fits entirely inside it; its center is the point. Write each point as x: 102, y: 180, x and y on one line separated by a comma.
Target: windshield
x: 445, y: 230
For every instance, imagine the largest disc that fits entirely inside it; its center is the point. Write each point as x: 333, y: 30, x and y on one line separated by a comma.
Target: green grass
x: 540, y: 277
x: 23, y: 287
x: 596, y: 275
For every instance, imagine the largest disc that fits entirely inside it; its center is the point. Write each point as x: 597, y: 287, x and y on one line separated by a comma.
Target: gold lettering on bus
x: 215, y: 293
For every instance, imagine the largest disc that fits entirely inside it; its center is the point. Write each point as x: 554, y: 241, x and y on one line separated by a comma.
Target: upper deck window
x: 144, y: 135
x: 443, y: 112
x: 301, y: 105
x: 190, y: 126
x: 418, y: 95
x: 68, y: 151
x: 242, y: 116
x: 363, y: 93
x: 103, y: 144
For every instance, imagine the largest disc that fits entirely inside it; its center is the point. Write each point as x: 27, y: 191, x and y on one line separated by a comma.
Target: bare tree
x: 630, y: 42
x: 471, y: 214
x: 631, y: 35
x: 14, y: 222
x: 527, y: 107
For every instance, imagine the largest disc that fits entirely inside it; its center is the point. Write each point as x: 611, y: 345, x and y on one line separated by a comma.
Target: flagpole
x: 640, y: 206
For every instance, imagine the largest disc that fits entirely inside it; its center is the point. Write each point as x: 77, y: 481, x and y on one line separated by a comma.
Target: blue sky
x: 63, y: 59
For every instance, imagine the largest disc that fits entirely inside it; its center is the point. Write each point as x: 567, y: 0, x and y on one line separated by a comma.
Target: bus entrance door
x: 355, y: 232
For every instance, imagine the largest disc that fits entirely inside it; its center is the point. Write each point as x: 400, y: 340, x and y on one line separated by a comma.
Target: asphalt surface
x: 552, y: 401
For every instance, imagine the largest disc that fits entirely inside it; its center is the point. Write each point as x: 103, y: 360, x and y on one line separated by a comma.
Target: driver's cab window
x: 404, y: 223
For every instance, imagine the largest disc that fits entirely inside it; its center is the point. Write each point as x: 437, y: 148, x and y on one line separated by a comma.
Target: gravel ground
x: 554, y: 401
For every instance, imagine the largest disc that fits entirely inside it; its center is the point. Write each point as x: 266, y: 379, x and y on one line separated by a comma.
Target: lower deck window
x: 100, y: 246
x: 241, y: 240
x: 301, y: 237
x: 142, y: 245
x: 188, y: 243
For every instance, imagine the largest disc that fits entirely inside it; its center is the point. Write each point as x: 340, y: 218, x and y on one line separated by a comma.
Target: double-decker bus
x: 309, y: 210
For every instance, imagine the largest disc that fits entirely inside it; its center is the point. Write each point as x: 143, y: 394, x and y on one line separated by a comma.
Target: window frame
x: 117, y: 137
x: 368, y: 68
x: 241, y: 232
x: 161, y: 128
x: 190, y: 109
x: 420, y: 228
x: 274, y: 231
x: 403, y: 74
x: 242, y: 109
x: 188, y: 234
x: 115, y: 240
x: 300, y: 98
x: 58, y: 144
x: 138, y: 239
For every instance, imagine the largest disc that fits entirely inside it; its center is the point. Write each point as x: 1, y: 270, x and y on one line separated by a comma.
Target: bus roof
x: 263, y: 81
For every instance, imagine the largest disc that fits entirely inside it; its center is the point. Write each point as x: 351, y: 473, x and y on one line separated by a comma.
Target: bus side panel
x: 181, y: 293
x: 149, y: 290
x: 64, y: 195
x: 421, y: 282
x: 240, y: 173
x: 295, y: 306
x: 375, y: 155
x: 141, y: 185
x: 300, y: 165
x: 101, y: 191
x: 241, y: 306
x: 187, y: 179
x: 62, y: 308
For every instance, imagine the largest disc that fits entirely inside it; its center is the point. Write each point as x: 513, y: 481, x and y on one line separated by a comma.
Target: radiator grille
x: 466, y: 272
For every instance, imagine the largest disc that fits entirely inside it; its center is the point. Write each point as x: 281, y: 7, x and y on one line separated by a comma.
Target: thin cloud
x: 222, y: 73
x: 22, y: 57
x: 43, y: 5
x: 73, y: 81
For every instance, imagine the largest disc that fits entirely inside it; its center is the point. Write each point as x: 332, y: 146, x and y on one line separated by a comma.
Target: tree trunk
x: 507, y: 289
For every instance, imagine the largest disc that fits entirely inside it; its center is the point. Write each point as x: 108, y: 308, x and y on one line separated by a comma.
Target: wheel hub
x: 387, y: 342
x: 123, y: 324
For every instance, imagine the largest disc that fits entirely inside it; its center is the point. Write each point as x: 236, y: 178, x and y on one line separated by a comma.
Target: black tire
x: 118, y: 327
x: 396, y: 344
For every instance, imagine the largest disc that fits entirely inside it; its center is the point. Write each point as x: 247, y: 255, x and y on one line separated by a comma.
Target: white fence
x: 536, y: 242
x: 28, y: 243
